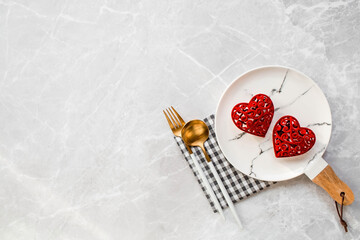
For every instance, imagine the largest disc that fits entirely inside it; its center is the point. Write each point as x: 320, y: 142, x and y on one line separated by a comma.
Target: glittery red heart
x: 289, y: 139
x: 254, y: 117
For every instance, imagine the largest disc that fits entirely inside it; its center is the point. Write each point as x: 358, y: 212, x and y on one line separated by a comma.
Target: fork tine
x: 169, y: 122
x: 177, y: 121
x: 179, y: 117
x: 172, y: 120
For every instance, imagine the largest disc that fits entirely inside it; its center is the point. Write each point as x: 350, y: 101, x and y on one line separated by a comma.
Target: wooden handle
x: 328, y: 180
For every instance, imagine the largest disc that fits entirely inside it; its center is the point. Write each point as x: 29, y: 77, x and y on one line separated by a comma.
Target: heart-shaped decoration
x: 289, y: 139
x: 254, y: 117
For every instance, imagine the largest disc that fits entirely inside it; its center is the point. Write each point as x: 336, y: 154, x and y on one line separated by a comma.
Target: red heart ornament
x: 254, y: 117
x: 289, y: 139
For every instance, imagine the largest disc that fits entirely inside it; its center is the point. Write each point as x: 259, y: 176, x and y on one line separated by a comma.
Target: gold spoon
x: 195, y: 133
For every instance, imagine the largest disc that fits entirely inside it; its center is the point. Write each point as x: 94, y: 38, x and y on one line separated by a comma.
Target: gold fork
x: 176, y: 124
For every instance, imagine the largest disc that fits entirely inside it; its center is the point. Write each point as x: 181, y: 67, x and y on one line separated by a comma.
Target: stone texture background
x: 85, y: 150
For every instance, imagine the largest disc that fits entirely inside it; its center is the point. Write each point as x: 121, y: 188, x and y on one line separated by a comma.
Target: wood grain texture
x: 328, y: 180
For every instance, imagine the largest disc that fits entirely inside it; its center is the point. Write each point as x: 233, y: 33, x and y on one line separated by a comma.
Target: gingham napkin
x: 238, y: 185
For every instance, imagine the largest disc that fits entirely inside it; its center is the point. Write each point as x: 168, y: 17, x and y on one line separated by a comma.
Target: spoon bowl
x: 195, y: 133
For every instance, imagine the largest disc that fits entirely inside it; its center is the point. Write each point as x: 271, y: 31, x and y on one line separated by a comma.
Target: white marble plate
x: 292, y: 93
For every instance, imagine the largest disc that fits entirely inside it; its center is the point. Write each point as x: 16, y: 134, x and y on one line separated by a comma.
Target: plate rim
x: 256, y: 69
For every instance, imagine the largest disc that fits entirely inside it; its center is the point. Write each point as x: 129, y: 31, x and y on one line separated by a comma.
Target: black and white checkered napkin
x: 238, y: 185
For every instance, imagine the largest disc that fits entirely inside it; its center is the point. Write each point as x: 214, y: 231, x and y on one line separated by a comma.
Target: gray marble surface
x: 85, y: 150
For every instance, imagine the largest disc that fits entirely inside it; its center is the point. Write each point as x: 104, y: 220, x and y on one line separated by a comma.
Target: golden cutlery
x: 176, y: 124
x: 195, y: 133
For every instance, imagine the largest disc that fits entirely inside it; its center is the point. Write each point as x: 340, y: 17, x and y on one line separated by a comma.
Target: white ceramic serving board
x: 292, y: 93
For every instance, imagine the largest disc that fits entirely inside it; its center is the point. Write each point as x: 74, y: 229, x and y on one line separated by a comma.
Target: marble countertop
x: 85, y: 150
